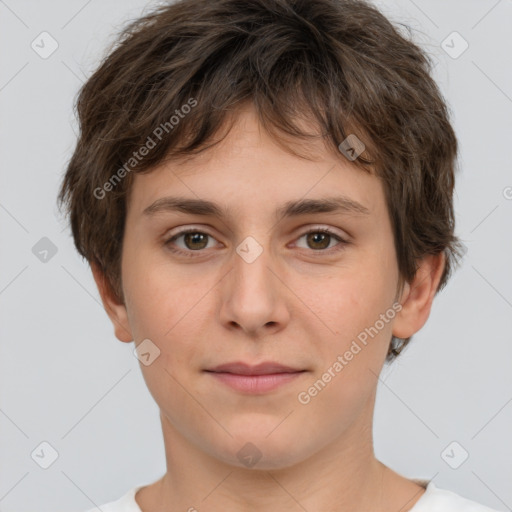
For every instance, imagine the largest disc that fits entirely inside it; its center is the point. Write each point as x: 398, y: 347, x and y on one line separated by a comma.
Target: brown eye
x: 189, y: 241
x: 195, y: 241
x: 321, y: 240
x: 318, y: 240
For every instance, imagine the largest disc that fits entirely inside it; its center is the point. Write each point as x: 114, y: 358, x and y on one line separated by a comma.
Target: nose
x: 254, y: 298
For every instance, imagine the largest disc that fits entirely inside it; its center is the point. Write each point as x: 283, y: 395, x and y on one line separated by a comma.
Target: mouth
x: 254, y: 379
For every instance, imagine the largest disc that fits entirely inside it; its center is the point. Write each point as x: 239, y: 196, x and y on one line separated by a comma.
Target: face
x: 261, y: 280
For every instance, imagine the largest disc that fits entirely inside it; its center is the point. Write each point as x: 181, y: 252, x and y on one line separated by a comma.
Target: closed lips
x: 240, y: 368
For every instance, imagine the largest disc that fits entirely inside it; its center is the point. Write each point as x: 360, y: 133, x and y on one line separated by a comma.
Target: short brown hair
x: 338, y: 63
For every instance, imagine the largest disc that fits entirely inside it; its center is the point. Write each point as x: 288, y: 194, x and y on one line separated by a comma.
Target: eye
x: 319, y: 239
x: 193, y: 239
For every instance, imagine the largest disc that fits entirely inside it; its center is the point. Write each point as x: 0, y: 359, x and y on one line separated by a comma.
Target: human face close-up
x: 251, y: 286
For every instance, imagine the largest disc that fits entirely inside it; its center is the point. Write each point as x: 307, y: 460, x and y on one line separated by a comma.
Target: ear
x: 114, y: 309
x: 417, y: 296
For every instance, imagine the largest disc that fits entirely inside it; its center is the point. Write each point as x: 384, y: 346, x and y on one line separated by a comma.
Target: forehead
x: 250, y: 170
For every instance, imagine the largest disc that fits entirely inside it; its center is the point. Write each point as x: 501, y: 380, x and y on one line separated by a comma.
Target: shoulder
x: 442, y: 500
x: 126, y: 503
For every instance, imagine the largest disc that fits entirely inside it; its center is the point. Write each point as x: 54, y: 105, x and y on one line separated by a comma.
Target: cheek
x: 351, y: 360
x: 354, y: 301
x: 169, y: 308
x: 158, y: 294
x: 357, y: 307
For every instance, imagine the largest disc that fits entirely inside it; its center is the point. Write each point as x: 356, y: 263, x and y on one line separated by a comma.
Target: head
x: 243, y: 113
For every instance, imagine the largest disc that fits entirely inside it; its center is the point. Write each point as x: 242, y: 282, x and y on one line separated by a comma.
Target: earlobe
x: 115, y: 310
x: 417, y: 296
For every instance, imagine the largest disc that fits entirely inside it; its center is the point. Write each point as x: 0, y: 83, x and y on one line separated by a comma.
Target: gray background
x: 66, y: 380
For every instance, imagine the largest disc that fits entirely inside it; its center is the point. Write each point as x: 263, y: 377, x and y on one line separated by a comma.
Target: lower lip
x: 255, y: 383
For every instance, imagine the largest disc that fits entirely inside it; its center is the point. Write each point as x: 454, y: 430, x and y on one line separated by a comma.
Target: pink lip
x: 254, y: 379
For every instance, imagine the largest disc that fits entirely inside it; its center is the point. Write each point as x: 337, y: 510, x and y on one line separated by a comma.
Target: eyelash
x: 190, y: 253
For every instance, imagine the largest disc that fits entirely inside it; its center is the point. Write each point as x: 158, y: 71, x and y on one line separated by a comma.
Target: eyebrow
x: 338, y: 204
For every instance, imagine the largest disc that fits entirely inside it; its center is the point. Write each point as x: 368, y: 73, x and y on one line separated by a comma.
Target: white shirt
x: 432, y: 500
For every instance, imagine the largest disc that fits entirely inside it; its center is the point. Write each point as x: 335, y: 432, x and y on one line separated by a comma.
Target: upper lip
x: 241, y: 368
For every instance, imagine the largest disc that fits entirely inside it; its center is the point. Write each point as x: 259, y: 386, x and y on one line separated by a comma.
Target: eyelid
x: 343, y: 235
x: 186, y: 229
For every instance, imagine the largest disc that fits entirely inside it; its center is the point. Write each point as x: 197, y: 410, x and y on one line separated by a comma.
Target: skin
x: 295, y: 304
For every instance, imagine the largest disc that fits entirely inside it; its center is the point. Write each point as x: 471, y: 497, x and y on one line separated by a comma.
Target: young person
x: 263, y: 190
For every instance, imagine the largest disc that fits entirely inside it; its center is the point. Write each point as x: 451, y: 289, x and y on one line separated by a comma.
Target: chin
x: 257, y: 450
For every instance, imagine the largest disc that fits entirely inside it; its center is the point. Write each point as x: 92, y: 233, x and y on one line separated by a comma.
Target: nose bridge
x: 252, y: 277
x: 252, y: 299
